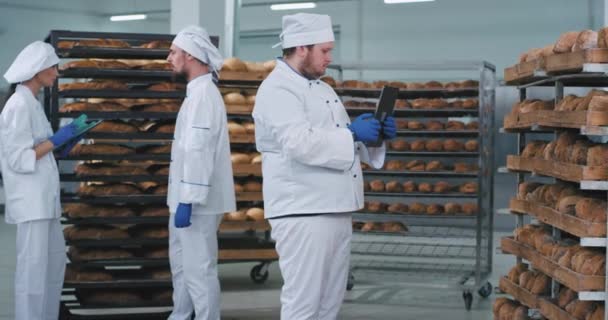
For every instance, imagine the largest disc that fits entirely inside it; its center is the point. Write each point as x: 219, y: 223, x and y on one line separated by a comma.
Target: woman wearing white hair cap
x: 312, y: 174
x: 31, y: 183
x: 201, y: 186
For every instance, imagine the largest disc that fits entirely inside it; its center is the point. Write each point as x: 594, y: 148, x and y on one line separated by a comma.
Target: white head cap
x: 195, y: 40
x: 34, y: 58
x: 302, y: 29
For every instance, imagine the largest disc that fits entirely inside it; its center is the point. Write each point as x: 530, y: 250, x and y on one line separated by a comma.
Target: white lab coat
x: 309, y: 160
x: 32, y: 202
x: 31, y: 186
x: 201, y: 171
x: 311, y: 168
x: 201, y: 174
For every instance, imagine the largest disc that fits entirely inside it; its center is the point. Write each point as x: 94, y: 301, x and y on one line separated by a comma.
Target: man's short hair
x: 290, y: 51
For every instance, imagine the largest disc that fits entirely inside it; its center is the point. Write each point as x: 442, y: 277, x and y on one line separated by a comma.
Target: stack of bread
x: 571, y: 41
x: 417, y: 208
x: 568, y: 148
x: 371, y: 226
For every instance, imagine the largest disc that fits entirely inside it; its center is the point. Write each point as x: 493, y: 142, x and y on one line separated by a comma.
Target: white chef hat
x: 195, y: 40
x: 302, y: 29
x: 34, y: 58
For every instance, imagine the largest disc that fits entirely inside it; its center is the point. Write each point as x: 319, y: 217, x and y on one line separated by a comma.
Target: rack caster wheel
x: 350, y: 284
x: 486, y: 290
x: 259, y: 273
x: 468, y: 299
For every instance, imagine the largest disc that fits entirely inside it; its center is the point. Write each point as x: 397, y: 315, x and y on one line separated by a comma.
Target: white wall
x: 494, y: 30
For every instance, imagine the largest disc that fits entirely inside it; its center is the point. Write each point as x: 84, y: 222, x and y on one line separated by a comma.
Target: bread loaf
x: 565, y: 42
x: 534, y: 149
x: 234, y: 64
x: 100, y: 149
x: 377, y: 185
x: 434, y: 126
x: 425, y: 187
x: 597, y: 156
x: 579, y: 309
x: 418, y: 208
x: 397, y: 208
x: 587, y: 39
x: 234, y: 98
x: 394, y: 165
x: 516, y: 271
x: 434, y: 209
x: 415, y: 125
x: 240, y: 158
x: 452, y: 145
x: 160, y: 107
x: 473, y: 125
x: 393, y: 186
x: 434, y: 145
x: 94, y: 233
x: 566, y: 205
x: 107, y: 169
x: 240, y: 215
x: 525, y: 188
x: 588, y: 208
x: 469, y: 187
x: 469, y: 209
x: 455, y: 125
x: 526, y: 279
x: 418, y: 145
x: 598, y: 313
x: 252, y: 186
x: 399, y: 145
x: 151, y: 232
x: 541, y: 285
x: 93, y: 107
x: 415, y: 165
x: 433, y: 166
x: 255, y: 214
x: 565, y: 296
x: 73, y: 274
x: 82, y: 210
x: 376, y: 206
x: 94, y: 85
x: 409, y: 186
x: 103, y: 190
x: 441, y: 187
x: 402, y: 104
x: 452, y: 208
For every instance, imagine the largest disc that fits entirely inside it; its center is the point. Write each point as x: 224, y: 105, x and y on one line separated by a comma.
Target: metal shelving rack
x: 592, y: 75
x: 446, y: 251
x: 246, y: 241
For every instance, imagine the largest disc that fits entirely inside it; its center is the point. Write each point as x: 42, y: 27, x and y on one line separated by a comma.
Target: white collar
x: 192, y: 84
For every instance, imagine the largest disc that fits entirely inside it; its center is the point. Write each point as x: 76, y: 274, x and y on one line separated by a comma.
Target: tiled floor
x: 243, y: 300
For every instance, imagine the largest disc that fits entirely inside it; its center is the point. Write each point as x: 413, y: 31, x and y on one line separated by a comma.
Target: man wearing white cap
x: 201, y: 187
x: 311, y: 155
x: 31, y: 183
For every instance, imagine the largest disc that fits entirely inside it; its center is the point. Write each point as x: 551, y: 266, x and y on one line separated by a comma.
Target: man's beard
x: 179, y: 76
x: 307, y: 69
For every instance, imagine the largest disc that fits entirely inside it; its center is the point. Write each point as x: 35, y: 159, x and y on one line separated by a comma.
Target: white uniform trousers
x: 314, y: 254
x: 41, y: 260
x: 193, y: 257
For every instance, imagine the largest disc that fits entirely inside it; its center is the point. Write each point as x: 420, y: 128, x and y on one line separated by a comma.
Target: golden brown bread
x: 452, y: 145
x: 399, y: 145
x: 83, y: 254
x: 415, y: 125
x: 597, y: 156
x: 541, y: 285
x: 240, y: 158
x: 525, y: 188
x: 238, y: 188
x: 394, y: 165
x: 397, y: 208
x: 151, y: 232
x: 470, y: 103
x: 452, y: 208
x: 599, y: 103
x: 156, y: 44
x: 409, y: 186
x: 566, y: 205
x: 240, y: 215
x: 418, y: 145
x: 107, y: 169
x: 586, y: 39
x: 498, y: 303
x: 434, y: 209
x: 101, y: 190
x: 415, y: 165
x: 469, y: 209
x: 471, y: 145
x: 516, y: 271
x: 565, y: 42
x: 82, y: 210
x: 420, y: 103
x: 115, y: 126
x: 433, y: 85
x: 565, y: 296
x: 425, y: 187
x: 234, y: 98
x: 401, y: 104
x: 100, y: 149
x: 393, y: 226
x: 433, y: 145
x: 377, y: 185
x: 598, y: 312
x: 434, y: 125
x: 526, y: 279
x: 453, y: 125
x: 462, y: 167
x: 579, y: 309
x: 329, y: 80
x: 602, y: 38
x: 590, y: 208
x: 393, y: 186
x: 567, y: 103
x: 433, y: 166
x: 435, y: 104
x: 534, y: 149
x: 371, y: 226
x: 535, y: 105
x: 85, y: 106
x: 234, y: 64
x: 376, y: 206
x: 583, y: 104
x: 163, y: 128
x: 94, y: 85
x: 469, y: 187
x: 441, y: 187
x: 418, y: 208
x: 255, y: 214
x: 252, y: 186
x: 167, y: 86
x: 94, y: 233
x: 160, y: 107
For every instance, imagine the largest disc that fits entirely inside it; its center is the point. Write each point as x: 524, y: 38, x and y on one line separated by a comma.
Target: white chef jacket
x: 200, y: 172
x: 31, y: 186
x: 310, y: 163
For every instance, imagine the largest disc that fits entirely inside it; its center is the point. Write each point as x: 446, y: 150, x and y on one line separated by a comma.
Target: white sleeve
x: 200, y: 138
x: 17, y: 140
x: 372, y: 156
x: 282, y: 113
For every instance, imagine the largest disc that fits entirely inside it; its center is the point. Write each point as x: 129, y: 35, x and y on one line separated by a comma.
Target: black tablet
x: 385, y: 107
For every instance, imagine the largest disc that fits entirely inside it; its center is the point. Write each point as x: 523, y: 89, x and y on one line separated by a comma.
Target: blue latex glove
x: 65, y: 150
x: 388, y: 128
x: 182, y: 215
x: 64, y: 135
x: 365, y: 128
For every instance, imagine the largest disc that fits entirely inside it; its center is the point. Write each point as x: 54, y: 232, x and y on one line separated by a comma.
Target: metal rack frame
x: 593, y: 75
x: 397, y: 257
x: 256, y: 238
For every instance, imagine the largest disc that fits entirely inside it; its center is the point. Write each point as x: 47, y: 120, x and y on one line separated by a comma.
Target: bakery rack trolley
x: 239, y: 241
x: 444, y: 251
x: 583, y: 75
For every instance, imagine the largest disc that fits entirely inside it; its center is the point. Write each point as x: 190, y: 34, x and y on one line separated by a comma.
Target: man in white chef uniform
x: 201, y: 186
x: 311, y: 155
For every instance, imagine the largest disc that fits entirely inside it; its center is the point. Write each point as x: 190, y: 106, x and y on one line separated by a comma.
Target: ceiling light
x: 405, y: 1
x: 293, y: 6
x: 128, y: 17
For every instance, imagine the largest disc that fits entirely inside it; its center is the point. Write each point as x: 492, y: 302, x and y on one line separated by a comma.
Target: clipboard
x: 384, y: 109
x: 83, y: 127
